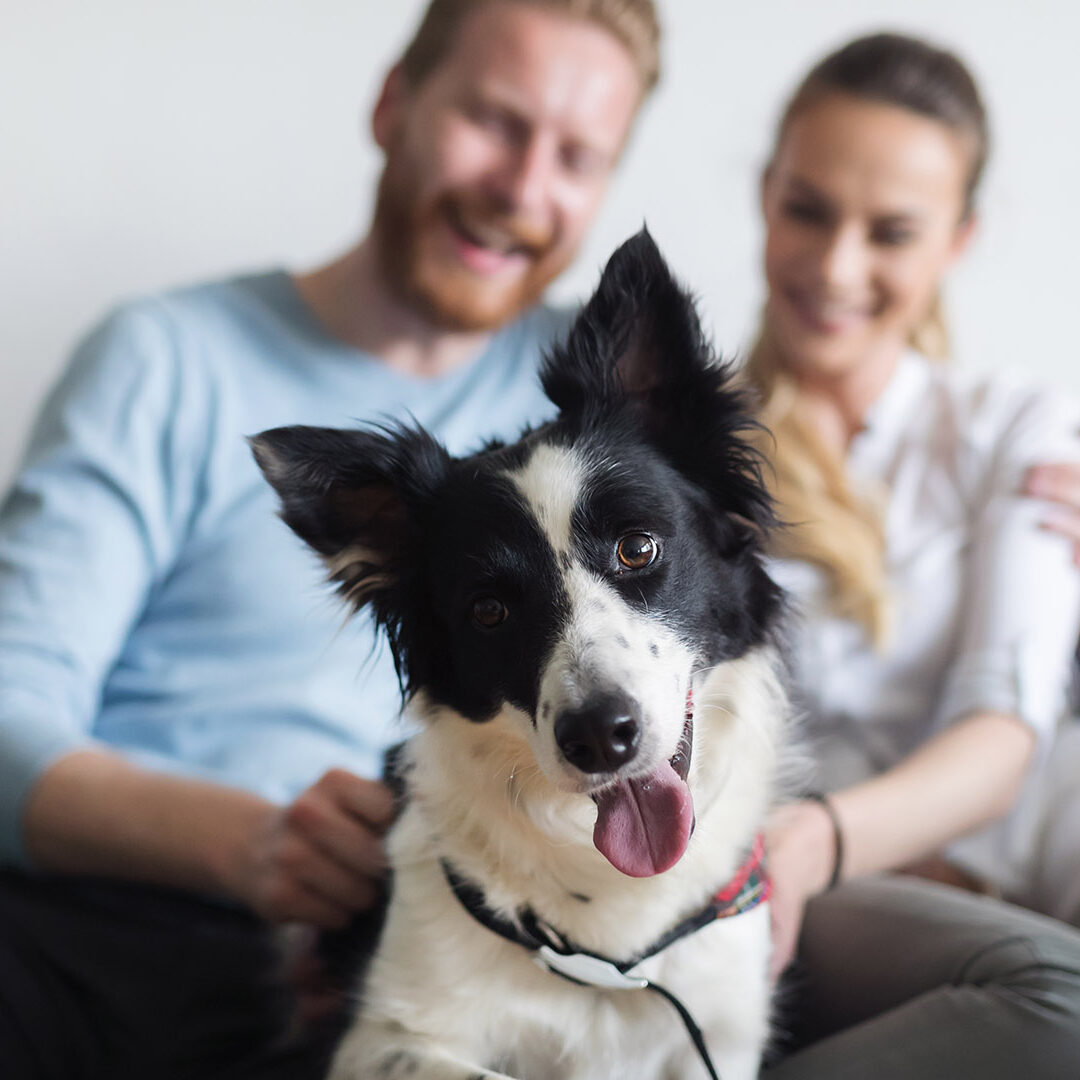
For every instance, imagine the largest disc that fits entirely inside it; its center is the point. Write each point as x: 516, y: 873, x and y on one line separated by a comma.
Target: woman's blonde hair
x: 828, y: 522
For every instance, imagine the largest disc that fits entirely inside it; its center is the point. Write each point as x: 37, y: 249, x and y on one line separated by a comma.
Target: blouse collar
x: 890, y: 415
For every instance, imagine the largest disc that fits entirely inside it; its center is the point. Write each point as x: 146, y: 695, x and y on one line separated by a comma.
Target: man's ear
x: 386, y: 115
x: 763, y: 187
x: 352, y: 496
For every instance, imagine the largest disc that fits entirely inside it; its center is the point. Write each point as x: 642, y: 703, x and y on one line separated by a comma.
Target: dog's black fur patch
x: 639, y: 391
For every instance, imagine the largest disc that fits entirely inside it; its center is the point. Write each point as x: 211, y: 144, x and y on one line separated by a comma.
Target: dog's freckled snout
x: 601, y: 736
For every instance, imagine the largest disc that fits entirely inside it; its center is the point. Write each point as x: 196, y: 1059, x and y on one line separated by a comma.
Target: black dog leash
x: 553, y: 951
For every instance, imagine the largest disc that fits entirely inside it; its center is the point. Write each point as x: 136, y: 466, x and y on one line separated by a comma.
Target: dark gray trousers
x: 897, y: 979
x: 902, y: 979
x: 108, y: 981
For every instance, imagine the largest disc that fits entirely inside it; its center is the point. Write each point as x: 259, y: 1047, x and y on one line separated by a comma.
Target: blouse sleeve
x: 1022, y: 608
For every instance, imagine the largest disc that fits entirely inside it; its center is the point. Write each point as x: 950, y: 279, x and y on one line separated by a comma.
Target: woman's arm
x: 965, y: 777
x: 961, y: 779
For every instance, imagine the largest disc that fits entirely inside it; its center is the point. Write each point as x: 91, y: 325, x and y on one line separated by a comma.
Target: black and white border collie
x: 584, y: 628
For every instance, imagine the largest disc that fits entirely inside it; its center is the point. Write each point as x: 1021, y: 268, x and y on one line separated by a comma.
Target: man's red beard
x: 453, y: 297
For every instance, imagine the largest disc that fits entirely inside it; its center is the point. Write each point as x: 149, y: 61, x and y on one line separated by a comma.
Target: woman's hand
x: 1060, y: 483
x: 801, y: 849
x: 319, y: 860
x: 938, y: 868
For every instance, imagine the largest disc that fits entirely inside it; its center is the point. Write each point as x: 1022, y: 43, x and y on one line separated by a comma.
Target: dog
x: 584, y: 628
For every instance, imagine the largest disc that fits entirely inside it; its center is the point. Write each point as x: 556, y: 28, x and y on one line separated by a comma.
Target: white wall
x: 144, y: 144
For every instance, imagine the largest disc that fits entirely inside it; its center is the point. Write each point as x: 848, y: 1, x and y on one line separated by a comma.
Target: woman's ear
x: 965, y: 233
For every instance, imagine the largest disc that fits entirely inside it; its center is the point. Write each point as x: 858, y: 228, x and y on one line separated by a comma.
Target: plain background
x: 148, y: 144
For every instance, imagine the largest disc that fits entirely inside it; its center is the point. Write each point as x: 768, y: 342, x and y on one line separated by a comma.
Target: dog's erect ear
x: 638, y: 336
x: 351, y: 495
x: 638, y: 342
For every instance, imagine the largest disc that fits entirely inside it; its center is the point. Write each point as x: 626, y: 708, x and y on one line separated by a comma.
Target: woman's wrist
x: 801, y: 847
x: 836, y: 873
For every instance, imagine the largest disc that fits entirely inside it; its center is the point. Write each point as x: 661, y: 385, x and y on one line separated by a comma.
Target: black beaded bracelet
x: 838, y: 835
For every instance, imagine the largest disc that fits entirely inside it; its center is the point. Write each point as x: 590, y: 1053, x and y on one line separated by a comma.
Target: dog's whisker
x: 521, y: 773
x: 712, y: 706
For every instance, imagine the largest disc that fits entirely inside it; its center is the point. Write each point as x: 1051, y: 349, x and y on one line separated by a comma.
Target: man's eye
x: 635, y: 551
x: 489, y: 612
x: 497, y: 122
x: 805, y: 212
x: 581, y: 160
x: 488, y: 117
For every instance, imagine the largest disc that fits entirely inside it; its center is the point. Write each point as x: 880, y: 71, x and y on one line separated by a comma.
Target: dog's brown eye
x: 637, y: 551
x: 489, y: 612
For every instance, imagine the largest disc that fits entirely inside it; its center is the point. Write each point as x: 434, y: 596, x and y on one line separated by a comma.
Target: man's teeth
x: 489, y: 238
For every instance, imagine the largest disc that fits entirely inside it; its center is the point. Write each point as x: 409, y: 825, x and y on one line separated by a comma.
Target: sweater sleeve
x: 90, y: 524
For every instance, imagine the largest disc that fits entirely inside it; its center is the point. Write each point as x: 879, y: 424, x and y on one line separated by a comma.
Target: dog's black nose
x: 600, y: 736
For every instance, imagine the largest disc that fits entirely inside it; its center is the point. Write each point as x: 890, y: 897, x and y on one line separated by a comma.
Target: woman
x: 939, y: 618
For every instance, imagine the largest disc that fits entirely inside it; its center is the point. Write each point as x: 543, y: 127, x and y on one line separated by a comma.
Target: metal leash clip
x: 588, y: 970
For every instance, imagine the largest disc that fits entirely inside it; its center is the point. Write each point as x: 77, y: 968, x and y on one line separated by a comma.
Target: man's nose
x: 526, y: 178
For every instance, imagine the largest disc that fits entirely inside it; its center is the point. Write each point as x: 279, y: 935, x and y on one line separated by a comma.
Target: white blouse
x: 987, y: 603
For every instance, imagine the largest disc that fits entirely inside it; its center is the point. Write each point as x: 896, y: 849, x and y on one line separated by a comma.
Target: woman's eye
x: 488, y: 612
x: 891, y: 237
x: 636, y: 551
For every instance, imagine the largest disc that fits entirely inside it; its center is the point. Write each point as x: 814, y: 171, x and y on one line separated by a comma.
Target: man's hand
x: 799, y: 843
x: 319, y: 860
x: 1060, y: 483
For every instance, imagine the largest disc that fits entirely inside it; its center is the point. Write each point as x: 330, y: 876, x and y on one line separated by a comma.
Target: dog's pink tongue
x: 643, y: 826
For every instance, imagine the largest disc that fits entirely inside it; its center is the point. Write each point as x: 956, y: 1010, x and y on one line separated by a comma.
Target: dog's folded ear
x: 350, y: 495
x: 638, y: 346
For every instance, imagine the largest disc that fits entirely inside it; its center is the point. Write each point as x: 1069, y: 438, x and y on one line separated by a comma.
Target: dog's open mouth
x: 644, y: 824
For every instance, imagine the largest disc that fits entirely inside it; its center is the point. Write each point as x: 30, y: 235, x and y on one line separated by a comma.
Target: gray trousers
x: 902, y: 979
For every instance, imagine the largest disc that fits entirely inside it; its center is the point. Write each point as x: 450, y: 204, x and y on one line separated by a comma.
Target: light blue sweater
x: 151, y: 600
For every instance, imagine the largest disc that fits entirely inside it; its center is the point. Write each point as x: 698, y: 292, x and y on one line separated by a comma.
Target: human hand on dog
x: 319, y: 860
x: 1060, y: 483
x: 799, y: 843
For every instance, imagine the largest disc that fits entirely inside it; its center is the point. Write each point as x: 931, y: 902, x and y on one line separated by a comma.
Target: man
x: 175, y: 688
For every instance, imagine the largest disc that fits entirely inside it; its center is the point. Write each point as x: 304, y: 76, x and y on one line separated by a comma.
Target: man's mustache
x: 493, y: 226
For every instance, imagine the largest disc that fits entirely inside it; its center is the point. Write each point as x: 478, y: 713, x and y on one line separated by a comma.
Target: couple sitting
x: 187, y: 750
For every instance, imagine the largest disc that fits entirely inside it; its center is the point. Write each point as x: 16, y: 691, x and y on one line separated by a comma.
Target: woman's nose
x: 844, y: 258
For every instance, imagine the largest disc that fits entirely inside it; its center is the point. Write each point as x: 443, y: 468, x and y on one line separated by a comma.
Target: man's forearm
x: 93, y: 812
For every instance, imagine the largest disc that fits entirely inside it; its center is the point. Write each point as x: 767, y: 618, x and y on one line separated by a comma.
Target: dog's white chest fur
x: 448, y: 999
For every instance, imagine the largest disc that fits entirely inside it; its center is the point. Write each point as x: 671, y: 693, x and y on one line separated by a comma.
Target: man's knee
x: 45, y: 1030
